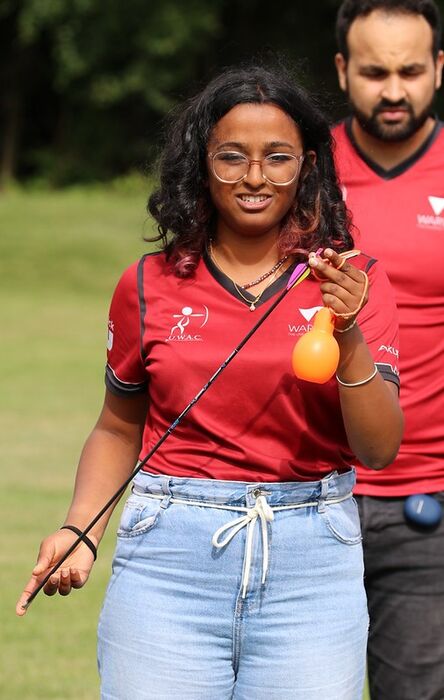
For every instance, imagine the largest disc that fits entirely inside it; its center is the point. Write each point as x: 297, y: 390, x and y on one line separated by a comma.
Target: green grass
x: 61, y: 254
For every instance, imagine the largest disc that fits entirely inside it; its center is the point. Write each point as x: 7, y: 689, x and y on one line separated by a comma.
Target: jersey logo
x: 186, y: 322
x: 309, y: 313
x: 301, y: 328
x: 390, y: 349
x: 432, y: 221
x: 437, y: 204
x: 110, y: 342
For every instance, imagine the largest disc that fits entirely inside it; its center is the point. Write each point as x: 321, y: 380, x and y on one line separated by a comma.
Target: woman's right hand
x: 73, y: 573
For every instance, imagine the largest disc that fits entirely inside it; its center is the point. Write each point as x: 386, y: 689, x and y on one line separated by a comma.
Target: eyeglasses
x: 277, y: 168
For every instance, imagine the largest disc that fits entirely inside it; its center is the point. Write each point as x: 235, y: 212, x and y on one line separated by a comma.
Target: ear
x: 341, y: 68
x: 438, y: 69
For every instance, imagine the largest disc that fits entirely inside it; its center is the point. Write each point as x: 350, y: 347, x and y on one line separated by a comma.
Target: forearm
x: 107, y: 461
x: 108, y: 458
x: 372, y: 417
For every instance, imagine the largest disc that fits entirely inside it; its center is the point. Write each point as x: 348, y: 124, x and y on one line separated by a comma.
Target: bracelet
x: 363, y: 381
x: 347, y: 328
x: 83, y: 537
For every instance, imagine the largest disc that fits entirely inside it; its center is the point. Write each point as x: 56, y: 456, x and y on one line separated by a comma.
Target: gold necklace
x: 251, y: 302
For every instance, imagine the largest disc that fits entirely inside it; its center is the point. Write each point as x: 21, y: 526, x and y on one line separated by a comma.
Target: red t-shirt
x: 399, y: 217
x: 257, y: 422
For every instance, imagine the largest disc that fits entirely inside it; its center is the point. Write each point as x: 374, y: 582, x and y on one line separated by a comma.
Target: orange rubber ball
x: 315, y: 356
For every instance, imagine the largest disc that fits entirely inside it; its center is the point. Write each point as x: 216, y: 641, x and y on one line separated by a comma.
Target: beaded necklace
x: 273, y: 272
x: 275, y: 268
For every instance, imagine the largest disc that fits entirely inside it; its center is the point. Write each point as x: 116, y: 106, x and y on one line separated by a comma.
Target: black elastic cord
x: 85, y: 538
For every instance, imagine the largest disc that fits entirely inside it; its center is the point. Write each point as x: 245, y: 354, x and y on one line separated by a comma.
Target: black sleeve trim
x: 120, y: 388
x: 142, y: 303
x: 387, y: 372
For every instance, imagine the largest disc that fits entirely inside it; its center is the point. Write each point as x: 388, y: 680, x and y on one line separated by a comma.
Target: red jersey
x: 257, y: 422
x: 399, y: 217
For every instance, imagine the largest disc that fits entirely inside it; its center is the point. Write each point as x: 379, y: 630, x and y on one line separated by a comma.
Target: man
x: 390, y: 159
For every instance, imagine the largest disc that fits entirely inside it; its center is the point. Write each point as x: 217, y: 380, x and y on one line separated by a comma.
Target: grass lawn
x: 61, y: 254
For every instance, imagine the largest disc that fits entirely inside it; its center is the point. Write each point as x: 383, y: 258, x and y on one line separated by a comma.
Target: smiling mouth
x: 253, y: 198
x: 254, y: 202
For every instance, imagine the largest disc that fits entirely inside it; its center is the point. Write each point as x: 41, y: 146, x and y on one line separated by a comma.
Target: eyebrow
x: 373, y: 67
x: 244, y: 146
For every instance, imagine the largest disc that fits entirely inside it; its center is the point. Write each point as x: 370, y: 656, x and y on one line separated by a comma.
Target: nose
x: 254, y: 176
x: 393, y: 89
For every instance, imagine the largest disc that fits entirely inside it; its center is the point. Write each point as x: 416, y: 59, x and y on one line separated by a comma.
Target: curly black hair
x: 182, y: 205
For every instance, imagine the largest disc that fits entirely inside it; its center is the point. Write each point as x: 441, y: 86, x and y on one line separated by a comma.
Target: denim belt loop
x: 166, y: 490
x: 323, y: 495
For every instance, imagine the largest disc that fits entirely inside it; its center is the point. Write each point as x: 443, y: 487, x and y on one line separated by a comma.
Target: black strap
x: 85, y: 539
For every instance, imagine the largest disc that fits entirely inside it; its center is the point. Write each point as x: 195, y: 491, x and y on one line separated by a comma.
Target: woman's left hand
x: 344, y: 288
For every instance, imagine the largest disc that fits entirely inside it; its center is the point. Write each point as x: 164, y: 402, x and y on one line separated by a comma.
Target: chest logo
x: 436, y: 220
x: 300, y: 328
x: 437, y: 204
x: 186, y: 323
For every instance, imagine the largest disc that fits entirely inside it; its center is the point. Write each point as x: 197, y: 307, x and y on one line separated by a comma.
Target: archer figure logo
x: 433, y: 221
x: 186, y: 324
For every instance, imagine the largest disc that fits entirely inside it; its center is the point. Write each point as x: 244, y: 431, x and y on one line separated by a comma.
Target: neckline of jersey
x: 227, y: 283
x: 401, y: 167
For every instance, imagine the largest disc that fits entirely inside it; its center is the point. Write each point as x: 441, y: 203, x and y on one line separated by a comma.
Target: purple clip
x: 299, y: 270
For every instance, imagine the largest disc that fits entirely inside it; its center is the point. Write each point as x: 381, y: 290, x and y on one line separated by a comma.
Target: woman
x: 238, y: 568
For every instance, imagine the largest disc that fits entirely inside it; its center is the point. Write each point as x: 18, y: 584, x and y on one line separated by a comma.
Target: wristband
x: 83, y: 537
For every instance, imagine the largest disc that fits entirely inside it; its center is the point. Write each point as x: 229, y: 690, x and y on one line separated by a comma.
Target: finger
x: 78, y: 579
x: 51, y: 586
x: 43, y: 564
x: 338, y: 299
x: 65, y: 582
x: 339, y: 262
x: 28, y: 591
x: 20, y: 609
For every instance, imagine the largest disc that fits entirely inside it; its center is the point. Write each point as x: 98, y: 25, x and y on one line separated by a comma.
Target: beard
x: 391, y: 133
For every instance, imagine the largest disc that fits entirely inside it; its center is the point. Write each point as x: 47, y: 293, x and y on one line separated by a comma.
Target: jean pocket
x: 342, y: 520
x: 139, y: 515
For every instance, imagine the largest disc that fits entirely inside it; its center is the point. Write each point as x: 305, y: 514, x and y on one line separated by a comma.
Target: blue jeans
x: 236, y: 591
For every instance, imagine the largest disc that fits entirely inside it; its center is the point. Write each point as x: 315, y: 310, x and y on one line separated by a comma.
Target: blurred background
x: 84, y: 87
x: 84, y: 83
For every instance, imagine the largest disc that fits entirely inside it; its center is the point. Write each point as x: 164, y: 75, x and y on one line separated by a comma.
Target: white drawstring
x: 260, y: 510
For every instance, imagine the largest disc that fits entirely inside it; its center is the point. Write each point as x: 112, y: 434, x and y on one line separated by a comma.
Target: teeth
x: 253, y: 198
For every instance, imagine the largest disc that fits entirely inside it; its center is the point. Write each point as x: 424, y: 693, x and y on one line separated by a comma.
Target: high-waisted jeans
x: 236, y: 591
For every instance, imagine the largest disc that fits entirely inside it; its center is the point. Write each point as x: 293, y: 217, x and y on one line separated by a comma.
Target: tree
x: 84, y: 84
x: 114, y: 68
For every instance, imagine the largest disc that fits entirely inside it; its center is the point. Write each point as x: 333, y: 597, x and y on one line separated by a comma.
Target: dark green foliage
x: 84, y: 84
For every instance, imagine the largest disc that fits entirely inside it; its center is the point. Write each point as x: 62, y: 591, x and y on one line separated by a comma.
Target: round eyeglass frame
x: 299, y: 158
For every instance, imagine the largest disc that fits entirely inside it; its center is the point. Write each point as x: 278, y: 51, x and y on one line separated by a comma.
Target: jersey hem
x: 400, y: 491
